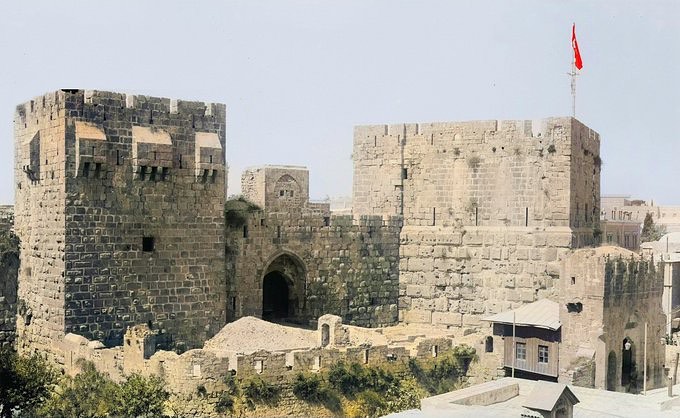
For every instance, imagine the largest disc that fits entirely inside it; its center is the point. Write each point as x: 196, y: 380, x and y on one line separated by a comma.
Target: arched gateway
x: 283, y: 288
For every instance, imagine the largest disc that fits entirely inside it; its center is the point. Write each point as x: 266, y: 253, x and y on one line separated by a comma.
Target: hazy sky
x: 296, y: 76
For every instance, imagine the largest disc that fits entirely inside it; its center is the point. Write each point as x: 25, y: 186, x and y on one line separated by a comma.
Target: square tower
x: 120, y: 212
x: 489, y: 207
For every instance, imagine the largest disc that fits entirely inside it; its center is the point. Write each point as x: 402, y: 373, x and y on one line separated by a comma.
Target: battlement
x: 467, y: 131
x: 79, y: 101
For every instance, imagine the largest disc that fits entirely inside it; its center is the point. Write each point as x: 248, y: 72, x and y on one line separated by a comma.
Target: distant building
x: 620, y: 215
x: 620, y: 223
x: 6, y: 217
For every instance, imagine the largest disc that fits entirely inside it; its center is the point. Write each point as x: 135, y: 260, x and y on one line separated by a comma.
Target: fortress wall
x: 39, y: 175
x: 489, y: 208
x: 349, y: 269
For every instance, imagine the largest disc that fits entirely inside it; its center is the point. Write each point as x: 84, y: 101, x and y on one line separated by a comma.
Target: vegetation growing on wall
x: 356, y: 390
x: 30, y: 387
x: 236, y: 212
x: 631, y: 276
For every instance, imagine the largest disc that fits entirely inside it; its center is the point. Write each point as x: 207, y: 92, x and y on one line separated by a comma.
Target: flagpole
x: 573, y: 75
x: 573, y: 72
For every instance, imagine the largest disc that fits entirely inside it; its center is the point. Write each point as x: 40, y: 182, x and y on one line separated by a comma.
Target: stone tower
x: 489, y: 207
x: 119, y: 208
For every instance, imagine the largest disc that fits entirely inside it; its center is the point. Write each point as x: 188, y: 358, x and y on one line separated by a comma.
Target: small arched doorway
x: 628, y: 372
x: 275, y: 297
x: 283, y: 287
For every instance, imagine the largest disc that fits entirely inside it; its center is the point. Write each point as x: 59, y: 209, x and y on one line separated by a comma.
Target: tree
x: 90, y: 394
x: 141, y: 396
x: 650, y: 231
x: 25, y: 382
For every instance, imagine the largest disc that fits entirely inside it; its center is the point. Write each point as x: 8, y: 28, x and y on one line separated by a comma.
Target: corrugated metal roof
x: 543, y: 313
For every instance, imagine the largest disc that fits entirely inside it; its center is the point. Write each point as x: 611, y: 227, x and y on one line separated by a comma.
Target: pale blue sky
x: 296, y: 76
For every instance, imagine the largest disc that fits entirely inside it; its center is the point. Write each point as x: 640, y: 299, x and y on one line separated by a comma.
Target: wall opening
x: 275, y: 293
x: 526, y: 216
x: 574, y: 307
x: 488, y: 344
x: 245, y: 231
x: 148, y: 244
x: 628, y: 372
x: 435, y: 350
x: 284, y: 286
x: 325, y: 335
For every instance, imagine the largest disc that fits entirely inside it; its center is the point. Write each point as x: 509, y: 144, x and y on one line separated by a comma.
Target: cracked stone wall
x: 119, y: 208
x: 335, y: 264
x: 489, y: 208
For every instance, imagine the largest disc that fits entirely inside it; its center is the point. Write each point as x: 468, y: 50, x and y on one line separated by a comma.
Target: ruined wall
x: 606, y: 295
x: 489, y: 207
x: 135, y: 193
x: 196, y: 377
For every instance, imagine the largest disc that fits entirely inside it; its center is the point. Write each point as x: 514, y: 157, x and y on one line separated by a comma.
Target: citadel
x: 132, y: 256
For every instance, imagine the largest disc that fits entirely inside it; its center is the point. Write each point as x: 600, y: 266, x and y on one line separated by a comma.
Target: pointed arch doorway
x: 283, y: 289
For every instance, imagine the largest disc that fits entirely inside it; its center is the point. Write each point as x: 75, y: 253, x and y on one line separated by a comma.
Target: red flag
x: 577, y: 55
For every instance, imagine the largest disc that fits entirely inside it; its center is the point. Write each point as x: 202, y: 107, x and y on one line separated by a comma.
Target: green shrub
x: 308, y: 388
x: 227, y: 399
x: 25, y: 382
x: 225, y: 403
x: 141, y: 396
x: 442, y: 374
x: 257, y: 391
x: 311, y: 389
x: 90, y: 394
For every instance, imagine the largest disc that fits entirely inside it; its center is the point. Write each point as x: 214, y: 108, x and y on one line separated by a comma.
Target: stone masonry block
x: 417, y: 316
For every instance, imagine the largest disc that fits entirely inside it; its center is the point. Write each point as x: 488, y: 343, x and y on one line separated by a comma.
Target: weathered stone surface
x: 496, y: 202
x: 120, y: 214
x: 331, y: 264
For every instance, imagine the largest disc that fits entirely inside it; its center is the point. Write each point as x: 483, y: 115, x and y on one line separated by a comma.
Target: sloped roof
x: 543, y: 313
x: 546, y: 394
